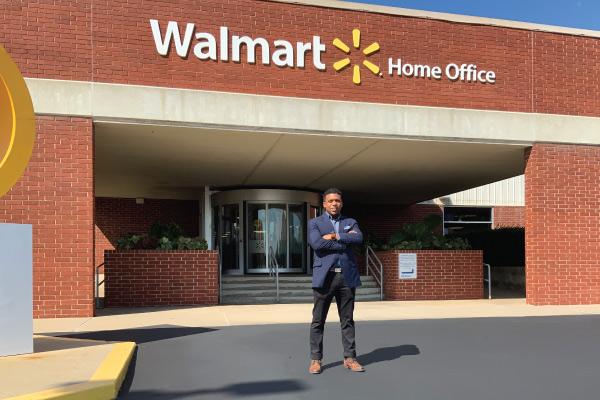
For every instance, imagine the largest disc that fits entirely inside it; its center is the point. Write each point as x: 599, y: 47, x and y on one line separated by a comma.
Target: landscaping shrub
x: 419, y: 236
x: 161, y: 237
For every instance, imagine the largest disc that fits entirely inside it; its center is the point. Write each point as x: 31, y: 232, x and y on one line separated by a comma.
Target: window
x: 467, y: 218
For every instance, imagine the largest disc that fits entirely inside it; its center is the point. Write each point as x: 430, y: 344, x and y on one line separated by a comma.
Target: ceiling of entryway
x: 161, y: 161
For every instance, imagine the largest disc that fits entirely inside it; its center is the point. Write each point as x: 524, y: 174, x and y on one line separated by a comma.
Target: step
x: 286, y: 300
x: 289, y: 295
x: 261, y: 289
x: 282, y: 278
x: 282, y: 286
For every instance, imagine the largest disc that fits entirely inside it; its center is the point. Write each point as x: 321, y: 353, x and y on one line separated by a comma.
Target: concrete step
x: 292, y: 289
x: 286, y: 300
x: 282, y: 286
x: 286, y: 293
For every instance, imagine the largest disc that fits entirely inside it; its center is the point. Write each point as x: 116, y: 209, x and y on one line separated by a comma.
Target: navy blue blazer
x: 328, y: 252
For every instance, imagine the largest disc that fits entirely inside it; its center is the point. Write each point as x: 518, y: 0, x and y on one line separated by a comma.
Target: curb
x: 104, y: 384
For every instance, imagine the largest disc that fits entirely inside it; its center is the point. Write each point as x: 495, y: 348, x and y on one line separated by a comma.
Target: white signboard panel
x: 16, y: 289
x: 407, y: 265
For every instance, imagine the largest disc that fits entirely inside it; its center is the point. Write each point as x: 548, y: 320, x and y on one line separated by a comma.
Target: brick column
x: 562, y: 224
x: 56, y: 196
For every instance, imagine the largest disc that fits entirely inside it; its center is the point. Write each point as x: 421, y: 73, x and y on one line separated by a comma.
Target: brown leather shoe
x: 353, y: 365
x: 315, y: 367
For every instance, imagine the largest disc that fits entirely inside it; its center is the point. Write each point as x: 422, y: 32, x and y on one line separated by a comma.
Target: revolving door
x: 255, y: 228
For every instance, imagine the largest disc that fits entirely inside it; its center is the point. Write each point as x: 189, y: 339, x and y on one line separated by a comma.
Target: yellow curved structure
x: 17, y: 123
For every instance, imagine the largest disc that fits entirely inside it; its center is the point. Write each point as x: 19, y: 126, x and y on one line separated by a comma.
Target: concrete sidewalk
x: 71, y: 363
x: 122, y: 318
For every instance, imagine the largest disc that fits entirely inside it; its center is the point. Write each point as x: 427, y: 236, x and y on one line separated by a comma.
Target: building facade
x: 220, y: 111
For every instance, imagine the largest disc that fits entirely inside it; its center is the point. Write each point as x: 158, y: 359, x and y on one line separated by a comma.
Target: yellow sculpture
x: 17, y: 123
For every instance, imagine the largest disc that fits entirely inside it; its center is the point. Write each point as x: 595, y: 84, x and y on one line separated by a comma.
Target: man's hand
x: 330, y: 236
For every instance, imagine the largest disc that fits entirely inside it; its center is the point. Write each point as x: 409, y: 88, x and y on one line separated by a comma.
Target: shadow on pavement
x: 141, y: 335
x: 382, y: 354
x: 260, y: 388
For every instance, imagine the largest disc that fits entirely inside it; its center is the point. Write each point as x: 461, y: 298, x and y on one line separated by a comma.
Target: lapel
x: 326, y: 223
x: 329, y: 225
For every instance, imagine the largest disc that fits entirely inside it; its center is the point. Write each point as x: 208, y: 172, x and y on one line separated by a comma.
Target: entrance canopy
x: 171, y: 143
x: 158, y: 161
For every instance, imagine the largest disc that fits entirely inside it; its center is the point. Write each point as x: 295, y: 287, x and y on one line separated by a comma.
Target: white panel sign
x: 16, y: 289
x: 407, y: 265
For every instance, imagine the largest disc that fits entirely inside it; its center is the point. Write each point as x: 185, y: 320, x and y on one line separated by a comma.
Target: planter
x: 150, y: 278
x: 441, y: 275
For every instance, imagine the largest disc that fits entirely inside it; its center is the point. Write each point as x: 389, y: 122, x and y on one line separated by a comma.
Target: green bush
x: 420, y: 236
x: 502, y: 247
x: 161, y: 237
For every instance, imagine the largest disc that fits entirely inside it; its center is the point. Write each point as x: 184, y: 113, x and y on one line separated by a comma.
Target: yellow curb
x: 104, y: 384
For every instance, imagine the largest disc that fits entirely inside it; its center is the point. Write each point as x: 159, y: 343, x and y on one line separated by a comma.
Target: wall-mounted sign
x: 17, y: 123
x: 283, y: 53
x: 206, y: 47
x: 407, y: 265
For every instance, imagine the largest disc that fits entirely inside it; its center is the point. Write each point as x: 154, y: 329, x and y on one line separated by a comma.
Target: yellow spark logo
x: 373, y: 48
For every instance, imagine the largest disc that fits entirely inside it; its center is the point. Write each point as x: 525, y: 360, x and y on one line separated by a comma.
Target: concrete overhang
x: 171, y: 143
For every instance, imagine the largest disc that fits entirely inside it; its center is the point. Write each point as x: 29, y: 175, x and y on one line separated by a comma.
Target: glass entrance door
x: 276, y: 233
x: 256, y: 243
x: 254, y: 227
x: 227, y: 228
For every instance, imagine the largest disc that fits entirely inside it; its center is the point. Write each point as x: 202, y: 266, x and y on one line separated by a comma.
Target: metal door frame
x: 240, y: 265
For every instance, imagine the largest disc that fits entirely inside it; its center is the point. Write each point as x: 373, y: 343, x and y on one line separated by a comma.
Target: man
x: 335, y: 274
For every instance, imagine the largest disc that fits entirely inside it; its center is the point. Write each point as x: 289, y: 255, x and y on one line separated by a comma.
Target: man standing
x: 335, y: 274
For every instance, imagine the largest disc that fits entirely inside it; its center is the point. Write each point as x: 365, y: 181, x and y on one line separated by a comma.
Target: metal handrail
x: 274, y: 270
x: 98, y: 283
x: 488, y: 280
x: 378, y: 269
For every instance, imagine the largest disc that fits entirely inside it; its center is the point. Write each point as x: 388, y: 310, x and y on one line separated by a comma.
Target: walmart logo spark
x: 340, y: 65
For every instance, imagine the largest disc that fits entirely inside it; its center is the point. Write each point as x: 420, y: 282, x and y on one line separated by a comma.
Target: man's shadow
x: 382, y: 354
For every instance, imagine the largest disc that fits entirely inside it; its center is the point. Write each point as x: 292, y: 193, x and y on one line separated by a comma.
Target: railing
x: 488, y: 280
x: 274, y: 269
x: 98, y: 283
x: 372, y: 257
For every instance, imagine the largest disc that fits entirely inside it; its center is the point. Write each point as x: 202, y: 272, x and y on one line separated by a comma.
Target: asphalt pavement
x: 541, y: 357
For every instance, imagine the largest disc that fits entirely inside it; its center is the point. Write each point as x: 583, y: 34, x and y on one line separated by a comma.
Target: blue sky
x: 583, y: 14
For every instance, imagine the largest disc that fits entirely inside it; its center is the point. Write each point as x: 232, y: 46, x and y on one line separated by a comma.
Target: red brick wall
x: 562, y: 224
x: 536, y: 71
x: 56, y: 196
x: 115, y: 216
x: 146, y: 278
x: 48, y: 39
x: 509, y: 216
x: 441, y: 275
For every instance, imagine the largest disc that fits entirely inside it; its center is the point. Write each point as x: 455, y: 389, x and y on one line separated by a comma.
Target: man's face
x: 333, y: 204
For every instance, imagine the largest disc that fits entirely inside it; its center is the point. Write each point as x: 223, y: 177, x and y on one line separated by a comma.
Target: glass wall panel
x: 277, y: 220
x: 230, y: 220
x: 257, y: 247
x: 460, y: 219
x: 297, y: 237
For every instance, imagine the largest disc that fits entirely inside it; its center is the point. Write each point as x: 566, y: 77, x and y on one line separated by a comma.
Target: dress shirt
x: 335, y: 222
x: 336, y: 228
